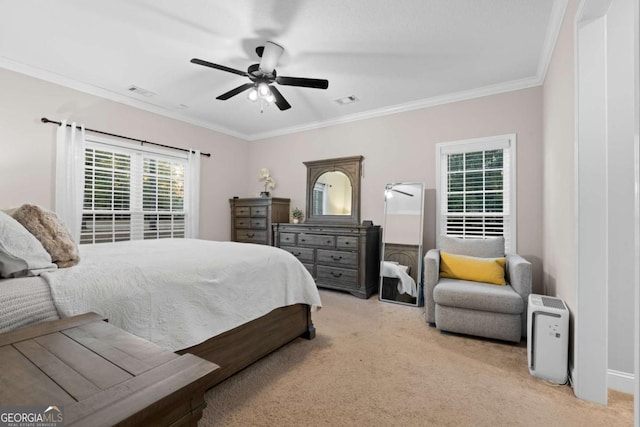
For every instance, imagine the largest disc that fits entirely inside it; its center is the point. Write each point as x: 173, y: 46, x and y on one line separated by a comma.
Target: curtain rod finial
x: 44, y: 120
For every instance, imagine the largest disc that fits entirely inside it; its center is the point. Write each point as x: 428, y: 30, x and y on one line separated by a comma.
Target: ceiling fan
x: 262, y: 77
x: 390, y: 188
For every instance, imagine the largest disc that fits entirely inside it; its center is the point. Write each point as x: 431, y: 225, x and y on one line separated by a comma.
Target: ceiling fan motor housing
x: 256, y: 75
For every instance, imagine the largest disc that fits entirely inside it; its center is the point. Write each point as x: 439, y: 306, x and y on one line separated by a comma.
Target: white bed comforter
x: 180, y: 292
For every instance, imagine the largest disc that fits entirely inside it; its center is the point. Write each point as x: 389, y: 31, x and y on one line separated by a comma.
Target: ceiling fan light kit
x: 262, y: 76
x: 262, y: 93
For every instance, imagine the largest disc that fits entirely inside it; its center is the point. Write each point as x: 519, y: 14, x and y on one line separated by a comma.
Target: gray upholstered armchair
x: 475, y: 308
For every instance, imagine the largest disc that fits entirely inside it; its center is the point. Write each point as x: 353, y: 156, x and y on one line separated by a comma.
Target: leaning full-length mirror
x: 401, y: 269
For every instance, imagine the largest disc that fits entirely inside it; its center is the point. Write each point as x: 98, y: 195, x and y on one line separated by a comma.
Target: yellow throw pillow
x: 486, y: 270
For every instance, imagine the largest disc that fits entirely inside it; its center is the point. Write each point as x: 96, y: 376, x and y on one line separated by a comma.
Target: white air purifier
x: 548, y: 338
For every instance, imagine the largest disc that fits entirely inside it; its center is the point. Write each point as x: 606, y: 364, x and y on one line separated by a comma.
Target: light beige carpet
x: 380, y: 364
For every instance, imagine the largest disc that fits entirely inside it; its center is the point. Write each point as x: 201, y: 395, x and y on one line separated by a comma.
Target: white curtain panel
x: 192, y: 201
x: 70, y: 176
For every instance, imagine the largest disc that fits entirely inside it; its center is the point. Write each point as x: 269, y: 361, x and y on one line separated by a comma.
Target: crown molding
x: 410, y: 106
x: 553, y: 29
x: 394, y: 109
x: 551, y: 38
x: 58, y: 79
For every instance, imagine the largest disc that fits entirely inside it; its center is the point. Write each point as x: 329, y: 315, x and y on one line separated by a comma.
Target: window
x: 319, y: 198
x: 132, y: 194
x: 476, y: 189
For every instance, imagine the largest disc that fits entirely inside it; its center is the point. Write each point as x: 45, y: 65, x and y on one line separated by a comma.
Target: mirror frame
x: 399, y: 248
x: 350, y: 166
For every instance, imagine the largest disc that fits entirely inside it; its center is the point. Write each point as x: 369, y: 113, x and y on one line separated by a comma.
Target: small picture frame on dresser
x: 367, y: 223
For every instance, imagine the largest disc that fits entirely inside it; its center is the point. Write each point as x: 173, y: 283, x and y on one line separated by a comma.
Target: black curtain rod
x: 45, y: 120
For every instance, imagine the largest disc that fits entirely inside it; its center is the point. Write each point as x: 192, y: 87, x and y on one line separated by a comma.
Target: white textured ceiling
x: 393, y: 55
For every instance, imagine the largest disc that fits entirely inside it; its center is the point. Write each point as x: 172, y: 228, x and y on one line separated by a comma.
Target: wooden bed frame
x: 238, y: 348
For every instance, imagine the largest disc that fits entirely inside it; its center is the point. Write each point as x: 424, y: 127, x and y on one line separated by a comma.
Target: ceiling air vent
x: 346, y: 100
x: 141, y: 91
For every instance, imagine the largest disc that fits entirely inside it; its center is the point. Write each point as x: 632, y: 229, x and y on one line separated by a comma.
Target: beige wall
x: 401, y: 147
x: 27, y: 147
x: 558, y: 168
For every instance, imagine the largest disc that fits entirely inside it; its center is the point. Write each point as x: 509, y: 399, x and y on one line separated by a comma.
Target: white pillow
x: 21, y: 254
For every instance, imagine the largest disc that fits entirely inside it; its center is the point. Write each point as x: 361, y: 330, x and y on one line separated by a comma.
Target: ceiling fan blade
x: 270, y: 56
x: 303, y: 82
x: 218, y: 67
x: 402, y: 192
x: 234, y: 92
x: 280, y: 101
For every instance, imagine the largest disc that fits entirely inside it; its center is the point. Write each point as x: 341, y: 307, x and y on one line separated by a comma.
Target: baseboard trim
x: 620, y: 381
x: 572, y: 375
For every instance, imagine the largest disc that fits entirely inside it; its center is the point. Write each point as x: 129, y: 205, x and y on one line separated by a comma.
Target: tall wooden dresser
x: 251, y: 218
x: 343, y: 257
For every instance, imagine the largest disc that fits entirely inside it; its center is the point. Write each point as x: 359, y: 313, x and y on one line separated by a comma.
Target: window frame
x: 137, y: 153
x: 506, y: 142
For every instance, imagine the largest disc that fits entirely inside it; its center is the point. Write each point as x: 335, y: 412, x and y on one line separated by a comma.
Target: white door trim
x: 591, y: 317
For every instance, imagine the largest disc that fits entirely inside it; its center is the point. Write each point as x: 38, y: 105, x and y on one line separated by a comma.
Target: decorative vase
x: 265, y: 194
x: 296, y: 220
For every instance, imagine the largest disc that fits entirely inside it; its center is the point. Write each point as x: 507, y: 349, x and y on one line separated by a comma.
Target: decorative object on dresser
x: 269, y: 182
x: 338, y: 252
x: 251, y: 218
x: 297, y: 215
x: 342, y: 257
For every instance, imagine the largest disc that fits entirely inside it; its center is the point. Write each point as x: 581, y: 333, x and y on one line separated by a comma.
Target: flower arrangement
x: 297, y: 215
x: 269, y: 182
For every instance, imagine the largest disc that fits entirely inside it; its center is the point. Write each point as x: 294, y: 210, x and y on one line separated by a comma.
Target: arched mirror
x: 333, y: 190
x: 401, y: 268
x: 332, y: 193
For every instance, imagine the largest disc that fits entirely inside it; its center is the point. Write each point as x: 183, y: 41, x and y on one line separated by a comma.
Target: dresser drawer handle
x: 250, y: 235
x: 334, y: 274
x: 329, y: 242
x: 286, y: 239
x: 297, y: 253
x: 336, y: 258
x: 346, y: 243
x: 302, y: 240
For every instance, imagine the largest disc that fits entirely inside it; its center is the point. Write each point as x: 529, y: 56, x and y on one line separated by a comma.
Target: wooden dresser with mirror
x: 338, y: 251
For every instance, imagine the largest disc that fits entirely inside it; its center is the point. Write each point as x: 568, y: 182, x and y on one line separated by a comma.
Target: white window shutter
x: 476, y: 185
x: 132, y: 194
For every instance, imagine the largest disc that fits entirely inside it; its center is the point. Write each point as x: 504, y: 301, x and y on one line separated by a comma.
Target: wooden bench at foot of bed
x: 238, y: 348
x: 99, y: 374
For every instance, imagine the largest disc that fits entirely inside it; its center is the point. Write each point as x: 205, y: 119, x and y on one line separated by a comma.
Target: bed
x: 230, y: 303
